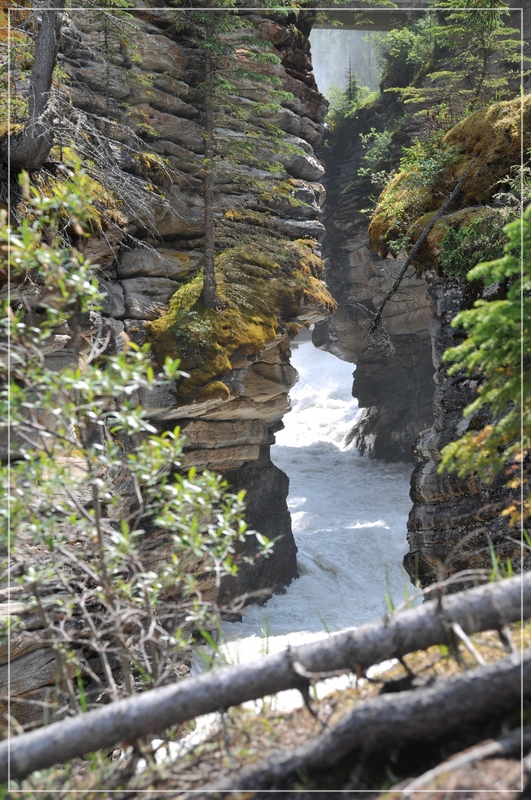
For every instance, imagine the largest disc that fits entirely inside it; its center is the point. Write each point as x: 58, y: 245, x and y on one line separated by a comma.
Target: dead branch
x: 482, y: 608
x: 416, y: 247
x: 512, y: 745
x: 397, y: 720
x: 29, y: 148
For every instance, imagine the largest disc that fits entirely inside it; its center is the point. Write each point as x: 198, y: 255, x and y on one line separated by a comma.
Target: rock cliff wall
x: 393, y: 378
x: 132, y: 92
x: 145, y: 93
x: 456, y: 524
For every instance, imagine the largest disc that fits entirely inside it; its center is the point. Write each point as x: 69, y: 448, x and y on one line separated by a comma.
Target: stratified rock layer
x: 393, y: 378
x: 455, y: 523
x: 458, y: 524
x: 141, y: 92
x: 151, y: 91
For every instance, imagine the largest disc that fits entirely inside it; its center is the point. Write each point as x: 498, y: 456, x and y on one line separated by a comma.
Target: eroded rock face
x: 455, y: 522
x: 152, y: 93
x: 145, y: 98
x: 266, y: 488
x: 393, y: 378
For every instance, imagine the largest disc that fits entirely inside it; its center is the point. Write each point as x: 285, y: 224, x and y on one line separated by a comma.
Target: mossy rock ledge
x: 489, y: 144
x: 264, y: 293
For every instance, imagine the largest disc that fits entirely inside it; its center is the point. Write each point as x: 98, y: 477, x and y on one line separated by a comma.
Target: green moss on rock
x: 260, y: 290
x: 488, y: 141
x: 458, y: 240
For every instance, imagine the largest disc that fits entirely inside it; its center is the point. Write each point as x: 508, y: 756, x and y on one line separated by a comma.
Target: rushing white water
x: 348, y: 513
x: 349, y: 521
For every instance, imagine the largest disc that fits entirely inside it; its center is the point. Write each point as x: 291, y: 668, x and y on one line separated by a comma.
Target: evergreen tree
x: 454, y: 60
x: 220, y: 31
x: 28, y: 146
x: 497, y: 349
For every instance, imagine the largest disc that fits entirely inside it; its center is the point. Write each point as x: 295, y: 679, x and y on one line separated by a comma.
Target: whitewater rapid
x: 349, y: 521
x: 348, y: 514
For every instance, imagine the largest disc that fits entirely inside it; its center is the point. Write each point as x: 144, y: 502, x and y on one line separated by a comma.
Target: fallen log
x: 513, y: 745
x: 395, y: 721
x: 482, y: 608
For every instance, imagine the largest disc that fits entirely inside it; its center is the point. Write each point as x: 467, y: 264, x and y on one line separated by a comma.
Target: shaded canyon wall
x: 393, y: 378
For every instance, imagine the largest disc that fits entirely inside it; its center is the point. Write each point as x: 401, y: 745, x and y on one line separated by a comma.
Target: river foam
x: 349, y: 520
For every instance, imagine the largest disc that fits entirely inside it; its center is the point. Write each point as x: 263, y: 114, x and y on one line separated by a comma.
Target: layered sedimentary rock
x: 455, y: 523
x: 150, y: 91
x: 393, y: 378
x: 135, y: 94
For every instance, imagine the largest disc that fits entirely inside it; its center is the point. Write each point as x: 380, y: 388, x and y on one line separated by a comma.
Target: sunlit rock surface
x: 152, y: 93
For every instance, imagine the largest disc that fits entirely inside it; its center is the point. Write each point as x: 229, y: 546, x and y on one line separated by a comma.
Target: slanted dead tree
x: 29, y: 148
x: 375, y: 322
x: 483, y: 608
x: 387, y: 720
x: 102, y: 143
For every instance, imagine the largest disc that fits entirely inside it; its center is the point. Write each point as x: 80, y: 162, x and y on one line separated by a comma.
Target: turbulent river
x: 348, y: 514
x: 349, y: 520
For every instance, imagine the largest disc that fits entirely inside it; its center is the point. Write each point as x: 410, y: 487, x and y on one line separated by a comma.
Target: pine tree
x: 219, y: 31
x: 454, y: 60
x: 497, y: 350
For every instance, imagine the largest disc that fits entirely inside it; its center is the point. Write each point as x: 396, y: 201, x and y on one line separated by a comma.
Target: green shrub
x: 131, y: 549
x: 497, y: 347
x: 404, y: 52
x: 344, y: 103
x: 376, y: 152
x: 483, y: 239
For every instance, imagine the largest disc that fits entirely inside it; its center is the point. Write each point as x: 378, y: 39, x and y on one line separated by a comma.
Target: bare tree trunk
x: 210, y: 294
x: 482, y: 608
x: 29, y: 148
x: 396, y: 721
x: 375, y: 322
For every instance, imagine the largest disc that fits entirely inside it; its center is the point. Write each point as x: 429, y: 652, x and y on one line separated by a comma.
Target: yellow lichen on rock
x: 260, y: 290
x: 488, y: 143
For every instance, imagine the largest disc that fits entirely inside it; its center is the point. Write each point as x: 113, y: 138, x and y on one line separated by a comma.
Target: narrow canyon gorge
x: 295, y: 251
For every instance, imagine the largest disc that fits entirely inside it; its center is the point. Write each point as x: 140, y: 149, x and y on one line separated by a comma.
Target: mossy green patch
x: 285, y: 190
x: 488, y: 142
x: 492, y: 139
x: 459, y: 240
x: 402, y: 200
x: 260, y: 289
